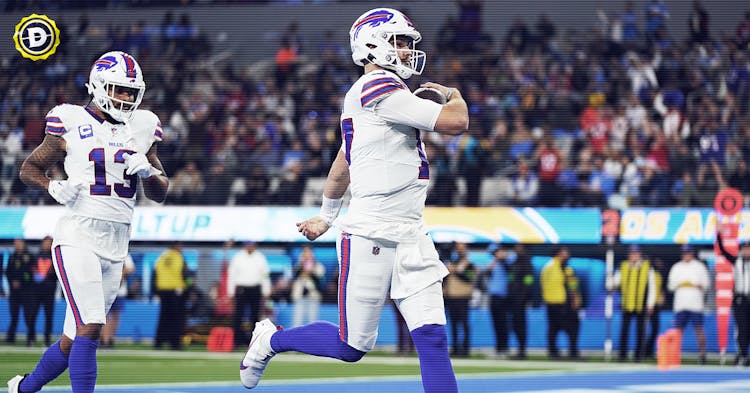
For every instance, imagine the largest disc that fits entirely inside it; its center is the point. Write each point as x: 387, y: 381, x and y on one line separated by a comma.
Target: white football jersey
x: 95, y: 149
x: 388, y: 168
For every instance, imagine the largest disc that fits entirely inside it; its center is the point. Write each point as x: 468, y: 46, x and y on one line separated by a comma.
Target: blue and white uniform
x: 384, y: 250
x: 91, y: 239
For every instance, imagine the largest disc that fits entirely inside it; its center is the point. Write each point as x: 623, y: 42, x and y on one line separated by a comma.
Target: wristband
x: 329, y: 209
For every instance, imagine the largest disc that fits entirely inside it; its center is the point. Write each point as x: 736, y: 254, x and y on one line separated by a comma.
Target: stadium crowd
x: 617, y: 114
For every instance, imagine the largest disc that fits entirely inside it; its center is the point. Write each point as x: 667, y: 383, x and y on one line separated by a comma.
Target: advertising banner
x: 277, y: 224
x: 675, y: 226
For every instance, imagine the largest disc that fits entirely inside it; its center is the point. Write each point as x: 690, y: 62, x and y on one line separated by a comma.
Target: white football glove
x: 65, y: 192
x: 138, y: 163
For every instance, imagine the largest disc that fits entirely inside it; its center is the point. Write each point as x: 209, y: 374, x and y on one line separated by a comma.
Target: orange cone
x: 669, y: 349
x: 220, y: 339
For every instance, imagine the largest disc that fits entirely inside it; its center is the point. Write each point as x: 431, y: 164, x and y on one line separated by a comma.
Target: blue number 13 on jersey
x: 100, y: 186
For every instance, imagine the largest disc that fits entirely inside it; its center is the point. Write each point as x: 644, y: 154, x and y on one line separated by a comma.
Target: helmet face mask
x: 113, y: 74
x: 375, y: 37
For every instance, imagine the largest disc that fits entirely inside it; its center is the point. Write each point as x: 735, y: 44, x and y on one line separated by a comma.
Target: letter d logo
x: 36, y: 37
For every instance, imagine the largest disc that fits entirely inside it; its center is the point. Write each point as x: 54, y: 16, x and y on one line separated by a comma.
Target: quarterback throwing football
x: 107, y: 147
x: 383, y: 248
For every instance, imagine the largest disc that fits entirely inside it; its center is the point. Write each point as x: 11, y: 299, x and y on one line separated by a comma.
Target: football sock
x: 317, y: 338
x: 50, y: 366
x: 431, y: 342
x: 82, y: 364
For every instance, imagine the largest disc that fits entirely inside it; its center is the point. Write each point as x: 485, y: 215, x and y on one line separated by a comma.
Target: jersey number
x: 100, y: 186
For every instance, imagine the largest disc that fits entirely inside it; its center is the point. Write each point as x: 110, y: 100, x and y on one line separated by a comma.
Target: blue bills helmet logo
x: 105, y: 63
x: 377, y: 18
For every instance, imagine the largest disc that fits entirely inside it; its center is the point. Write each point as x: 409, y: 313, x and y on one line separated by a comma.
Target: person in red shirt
x: 548, y: 160
x: 658, y: 155
x: 286, y: 58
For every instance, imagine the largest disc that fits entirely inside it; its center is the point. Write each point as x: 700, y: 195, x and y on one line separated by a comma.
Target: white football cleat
x: 258, y: 353
x: 14, y: 383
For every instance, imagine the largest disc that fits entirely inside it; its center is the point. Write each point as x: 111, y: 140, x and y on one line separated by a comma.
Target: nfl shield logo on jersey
x: 85, y: 131
x: 375, y: 250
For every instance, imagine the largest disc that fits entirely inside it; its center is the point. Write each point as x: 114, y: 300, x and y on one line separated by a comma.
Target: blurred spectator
x: 256, y: 187
x: 306, y: 288
x: 186, y: 187
x: 520, y: 287
x: 442, y: 179
x: 698, y: 24
x: 33, y: 126
x: 630, y: 31
x: 525, y: 186
x: 19, y: 275
x: 44, y: 286
x: 109, y: 330
x: 600, y: 185
x: 653, y: 321
x: 469, y: 36
x: 11, y: 148
x: 170, y: 283
x: 689, y: 280
x: 458, y: 290
x: 509, y: 288
x: 292, y: 185
x: 657, y: 14
x: 249, y: 285
x: 331, y: 290
x: 562, y: 298
x: 567, y: 181
x: 545, y: 31
x: 637, y: 285
x: 549, y: 163
x: 217, y: 186
x: 517, y: 37
x: 740, y: 177
x: 470, y: 165
x: 286, y: 60
x: 743, y: 31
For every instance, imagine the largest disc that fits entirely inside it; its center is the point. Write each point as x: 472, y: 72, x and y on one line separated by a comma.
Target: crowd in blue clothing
x: 618, y: 113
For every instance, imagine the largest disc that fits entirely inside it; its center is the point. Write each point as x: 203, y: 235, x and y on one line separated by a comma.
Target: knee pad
x: 349, y: 354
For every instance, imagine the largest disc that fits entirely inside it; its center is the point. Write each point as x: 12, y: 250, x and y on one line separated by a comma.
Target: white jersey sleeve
x: 402, y: 107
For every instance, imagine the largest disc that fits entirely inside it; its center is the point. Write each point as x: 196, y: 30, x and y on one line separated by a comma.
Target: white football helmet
x: 110, y: 71
x: 373, y: 40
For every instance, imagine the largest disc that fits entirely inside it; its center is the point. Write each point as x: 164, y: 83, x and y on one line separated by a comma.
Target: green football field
x: 146, y: 366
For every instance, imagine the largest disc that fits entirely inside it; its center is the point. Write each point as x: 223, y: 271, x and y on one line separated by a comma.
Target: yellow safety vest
x: 169, y: 268
x: 556, y: 282
x: 634, y: 285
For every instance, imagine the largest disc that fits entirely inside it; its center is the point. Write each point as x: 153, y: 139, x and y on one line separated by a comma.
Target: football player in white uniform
x: 106, y: 147
x: 384, y: 250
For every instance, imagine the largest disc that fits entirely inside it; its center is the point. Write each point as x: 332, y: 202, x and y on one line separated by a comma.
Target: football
x: 428, y: 93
